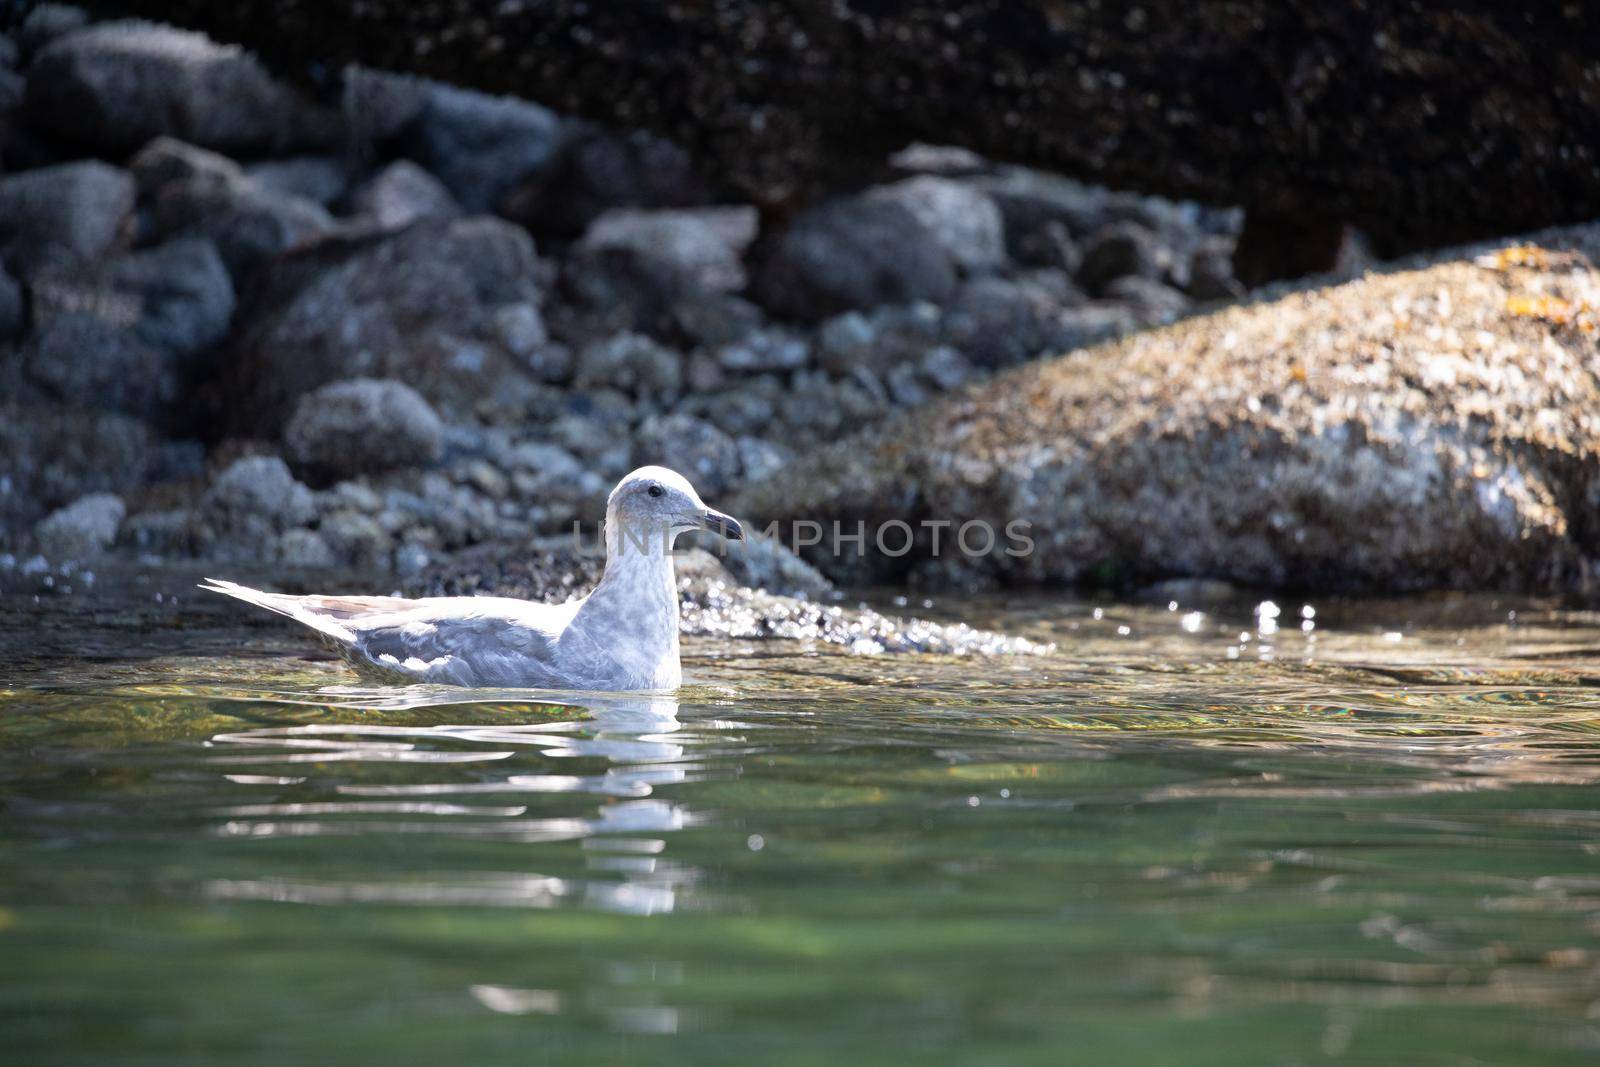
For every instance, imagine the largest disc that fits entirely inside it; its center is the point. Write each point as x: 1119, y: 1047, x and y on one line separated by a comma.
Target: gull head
x: 657, y: 503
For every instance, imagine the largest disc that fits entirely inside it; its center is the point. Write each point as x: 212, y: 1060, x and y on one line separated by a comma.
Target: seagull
x: 623, y: 636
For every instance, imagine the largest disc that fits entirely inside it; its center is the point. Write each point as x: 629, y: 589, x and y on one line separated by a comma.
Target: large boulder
x: 82, y: 358
x: 962, y: 219
x: 247, y: 507
x: 250, y: 223
x: 82, y: 529
x: 854, y: 253
x: 113, y: 86
x: 1429, y: 427
x: 479, y: 145
x: 705, y: 246
x: 417, y: 306
x: 361, y: 426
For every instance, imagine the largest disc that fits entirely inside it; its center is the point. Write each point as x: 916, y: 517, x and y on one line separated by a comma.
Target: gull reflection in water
x: 307, y: 781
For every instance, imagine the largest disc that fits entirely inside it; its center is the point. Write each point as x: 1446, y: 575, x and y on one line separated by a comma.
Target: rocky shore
x: 242, y: 324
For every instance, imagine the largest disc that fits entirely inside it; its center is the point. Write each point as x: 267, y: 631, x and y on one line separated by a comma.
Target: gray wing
x: 462, y: 641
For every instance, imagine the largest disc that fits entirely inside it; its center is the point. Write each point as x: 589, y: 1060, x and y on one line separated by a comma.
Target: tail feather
x: 305, y: 610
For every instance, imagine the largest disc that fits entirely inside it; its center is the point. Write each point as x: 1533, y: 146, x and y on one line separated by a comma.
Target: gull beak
x: 718, y: 523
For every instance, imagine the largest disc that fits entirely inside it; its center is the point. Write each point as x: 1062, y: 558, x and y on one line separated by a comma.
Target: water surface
x: 1219, y: 838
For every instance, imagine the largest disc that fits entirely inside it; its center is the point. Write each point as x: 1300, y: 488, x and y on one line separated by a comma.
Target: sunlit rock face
x: 1438, y: 426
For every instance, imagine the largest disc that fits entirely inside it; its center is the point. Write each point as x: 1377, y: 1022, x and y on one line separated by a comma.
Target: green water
x: 1375, y: 842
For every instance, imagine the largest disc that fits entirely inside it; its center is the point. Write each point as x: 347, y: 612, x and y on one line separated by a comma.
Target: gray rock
x: 878, y: 340
x: 905, y: 386
x: 184, y: 293
x: 402, y: 193
x: 82, y: 529
x: 377, y: 106
x: 520, y: 328
x: 247, y: 506
x: 320, y: 179
x: 632, y: 363
x: 599, y: 171
x: 115, y: 85
x: 45, y: 22
x: 714, y: 319
x: 698, y: 450
x: 356, y: 539
x: 763, y: 351
x: 1031, y: 201
x: 80, y: 358
x: 70, y: 212
x: 1188, y: 452
x: 963, y: 220
x: 816, y: 408
x: 361, y: 426
x: 480, y: 145
x: 703, y: 246
x: 161, y: 532
x: 415, y: 306
x: 746, y: 409
x: 853, y: 253
x: 995, y: 323
x: 1118, y: 251
x: 303, y: 548
x: 250, y: 224
x: 12, y: 88
x: 50, y: 455
x: 1079, y: 327
x: 760, y: 459
x: 167, y: 159
x: 766, y: 563
x: 1051, y: 245
x: 945, y: 369
x: 1153, y: 303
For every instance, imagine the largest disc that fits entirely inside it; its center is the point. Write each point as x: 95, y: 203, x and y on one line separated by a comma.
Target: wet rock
x: 50, y: 455
x: 402, y: 193
x: 415, y: 306
x: 70, y: 212
x: 1265, y: 444
x: 319, y: 179
x: 851, y: 254
x: 763, y: 351
x: 113, y: 86
x: 82, y: 529
x: 695, y: 448
x: 480, y: 146
x: 81, y: 358
x: 632, y: 363
x: 361, y: 426
x: 1118, y: 251
x: 995, y: 322
x: 247, y: 506
x: 600, y: 171
x: 963, y: 220
x: 702, y: 246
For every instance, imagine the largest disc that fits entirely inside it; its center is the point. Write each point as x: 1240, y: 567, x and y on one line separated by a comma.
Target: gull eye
x: 655, y: 490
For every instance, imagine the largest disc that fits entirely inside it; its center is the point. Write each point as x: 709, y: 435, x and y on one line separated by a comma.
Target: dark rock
x: 1153, y: 303
x: 402, y: 193
x: 1031, y: 201
x: 598, y: 172
x: 703, y: 246
x: 113, y: 86
x: 850, y: 254
x: 944, y: 369
x: 1117, y: 251
x: 82, y: 529
x: 632, y: 363
x: 995, y: 323
x: 64, y: 214
x: 1211, y: 272
x: 698, y: 450
x: 878, y: 340
x: 713, y: 319
x: 415, y: 306
x: 1079, y: 327
x: 45, y: 22
x: 12, y: 309
x: 251, y: 225
x: 760, y: 459
x: 167, y: 159
x: 50, y: 455
x: 625, y: 290
x: 963, y: 220
x: 479, y: 145
x: 361, y: 426
x: 184, y: 294
x: 81, y: 358
x: 320, y: 179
